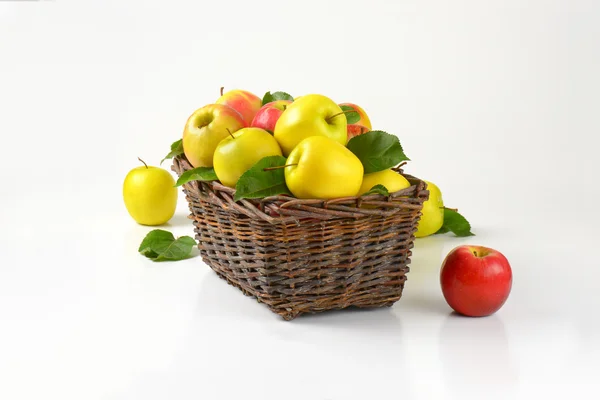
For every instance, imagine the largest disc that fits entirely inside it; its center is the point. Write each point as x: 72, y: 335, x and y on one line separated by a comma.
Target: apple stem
x: 222, y: 87
x: 338, y: 114
x: 284, y: 107
x: 279, y: 167
x: 230, y: 134
x: 143, y: 162
x: 451, y: 209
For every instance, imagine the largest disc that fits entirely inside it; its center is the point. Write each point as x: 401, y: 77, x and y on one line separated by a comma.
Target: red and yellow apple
x: 363, y: 125
x: 205, y: 128
x: 267, y: 116
x: 355, y: 130
x: 475, y: 280
x: 244, y: 102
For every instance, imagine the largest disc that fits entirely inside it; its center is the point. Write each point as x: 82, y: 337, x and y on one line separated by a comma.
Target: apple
x: 392, y: 181
x: 310, y: 115
x: 363, y: 125
x: 364, y: 118
x: 475, y: 280
x: 432, y: 213
x: 237, y: 153
x: 267, y: 116
x: 205, y: 128
x: 322, y: 168
x: 355, y: 130
x: 244, y: 102
x: 150, y: 195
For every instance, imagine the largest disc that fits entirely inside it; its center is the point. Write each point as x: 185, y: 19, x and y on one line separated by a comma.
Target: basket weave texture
x: 306, y: 256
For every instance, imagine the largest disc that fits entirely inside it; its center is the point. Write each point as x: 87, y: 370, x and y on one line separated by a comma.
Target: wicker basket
x: 307, y: 256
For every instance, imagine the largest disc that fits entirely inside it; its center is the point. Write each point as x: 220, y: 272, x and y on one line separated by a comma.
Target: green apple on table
x: 205, y: 128
x: 310, y: 115
x: 237, y: 153
x: 322, y: 168
x: 150, y: 195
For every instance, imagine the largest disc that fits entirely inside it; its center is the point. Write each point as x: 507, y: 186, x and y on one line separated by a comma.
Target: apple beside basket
x: 307, y: 256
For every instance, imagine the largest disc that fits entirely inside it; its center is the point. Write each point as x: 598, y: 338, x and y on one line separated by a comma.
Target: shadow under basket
x: 306, y: 256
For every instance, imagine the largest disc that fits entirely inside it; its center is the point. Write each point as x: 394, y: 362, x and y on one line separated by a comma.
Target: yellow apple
x: 310, y: 115
x: 205, y: 128
x: 150, y: 195
x: 322, y: 168
x: 236, y: 154
x: 392, y: 180
x: 432, y: 217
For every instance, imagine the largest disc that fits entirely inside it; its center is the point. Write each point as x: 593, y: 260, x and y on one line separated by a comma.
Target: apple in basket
x: 205, y: 128
x: 363, y: 125
x: 310, y: 115
x: 244, y: 102
x: 269, y: 114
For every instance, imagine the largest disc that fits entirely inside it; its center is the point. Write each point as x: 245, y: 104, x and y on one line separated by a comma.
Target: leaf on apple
x: 257, y: 183
x: 377, y: 150
x: 197, y: 174
x: 352, y: 116
x: 270, y: 97
x: 161, y: 245
x: 176, y: 149
x: 455, y: 223
x: 377, y: 189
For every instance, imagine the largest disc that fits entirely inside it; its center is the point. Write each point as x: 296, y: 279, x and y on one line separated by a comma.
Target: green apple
x: 205, y: 128
x: 392, y: 181
x: 237, y: 153
x: 310, y: 115
x: 322, y: 168
x: 150, y: 195
x: 432, y: 217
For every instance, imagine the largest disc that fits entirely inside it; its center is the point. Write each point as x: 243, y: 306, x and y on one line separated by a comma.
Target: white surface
x: 496, y: 102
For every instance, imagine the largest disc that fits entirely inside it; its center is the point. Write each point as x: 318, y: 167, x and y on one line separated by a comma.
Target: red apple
x: 476, y: 280
x: 363, y: 125
x: 268, y: 115
x: 364, y: 118
x: 246, y: 103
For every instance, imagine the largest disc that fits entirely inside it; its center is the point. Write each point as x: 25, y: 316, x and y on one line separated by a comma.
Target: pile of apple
x: 237, y: 131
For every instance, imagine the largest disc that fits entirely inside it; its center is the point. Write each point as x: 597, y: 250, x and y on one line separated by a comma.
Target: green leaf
x: 352, y: 116
x: 377, y: 189
x: 269, y: 97
x: 176, y: 149
x: 455, y: 223
x: 197, y: 174
x: 377, y: 150
x: 257, y: 183
x: 161, y: 245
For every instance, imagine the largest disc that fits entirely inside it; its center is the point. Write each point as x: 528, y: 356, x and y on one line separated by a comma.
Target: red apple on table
x: 475, y: 280
x: 244, y: 102
x: 268, y: 115
x: 361, y: 126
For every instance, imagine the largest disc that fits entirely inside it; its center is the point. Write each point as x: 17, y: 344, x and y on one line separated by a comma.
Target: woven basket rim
x: 292, y: 209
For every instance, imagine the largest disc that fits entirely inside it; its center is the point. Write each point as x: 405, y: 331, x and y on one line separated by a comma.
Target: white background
x: 495, y: 101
